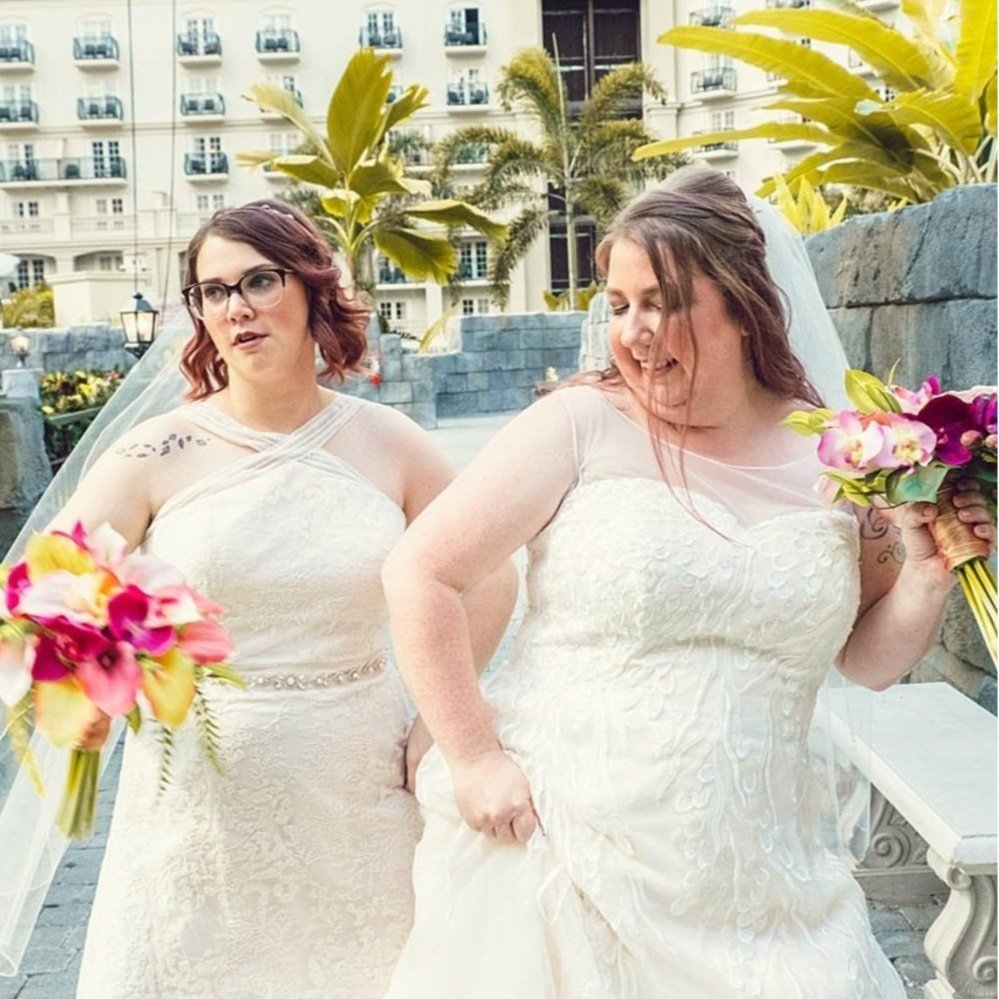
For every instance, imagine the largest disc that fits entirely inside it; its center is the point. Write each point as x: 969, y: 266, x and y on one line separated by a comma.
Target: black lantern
x: 139, y: 324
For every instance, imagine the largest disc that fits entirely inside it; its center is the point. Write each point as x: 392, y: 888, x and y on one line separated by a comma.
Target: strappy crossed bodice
x: 289, y: 539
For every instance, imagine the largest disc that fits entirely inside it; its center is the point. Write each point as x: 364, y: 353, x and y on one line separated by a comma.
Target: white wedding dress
x: 289, y: 875
x: 659, y: 700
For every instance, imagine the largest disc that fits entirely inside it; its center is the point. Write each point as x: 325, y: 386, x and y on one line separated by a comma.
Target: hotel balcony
x: 269, y: 115
x: 712, y: 17
x: 385, y: 42
x: 789, y: 4
x: 714, y: 84
x: 99, y: 112
x: 726, y: 150
x: 18, y: 116
x: 206, y: 167
x: 199, y: 50
x: 467, y: 96
x: 278, y: 45
x: 16, y: 57
x: 63, y: 172
x: 96, y: 52
x: 470, y: 41
x: 792, y: 145
x: 197, y: 109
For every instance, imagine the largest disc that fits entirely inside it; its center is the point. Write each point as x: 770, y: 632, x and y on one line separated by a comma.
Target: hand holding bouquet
x: 86, y: 628
x: 909, y: 447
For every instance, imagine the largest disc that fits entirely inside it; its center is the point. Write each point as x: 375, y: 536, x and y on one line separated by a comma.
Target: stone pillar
x: 24, y: 466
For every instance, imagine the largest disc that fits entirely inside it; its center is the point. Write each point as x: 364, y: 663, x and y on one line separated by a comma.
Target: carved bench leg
x: 961, y: 943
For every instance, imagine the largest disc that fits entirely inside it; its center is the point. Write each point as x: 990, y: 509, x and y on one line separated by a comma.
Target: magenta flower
x: 129, y: 621
x: 111, y: 679
x: 951, y: 418
x: 17, y: 582
x: 46, y: 664
x: 66, y: 644
x: 849, y: 444
x: 907, y: 442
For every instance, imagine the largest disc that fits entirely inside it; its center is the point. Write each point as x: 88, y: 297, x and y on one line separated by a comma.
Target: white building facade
x: 120, y: 122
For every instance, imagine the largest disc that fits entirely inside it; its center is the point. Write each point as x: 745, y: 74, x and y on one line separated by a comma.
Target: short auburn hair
x: 287, y: 237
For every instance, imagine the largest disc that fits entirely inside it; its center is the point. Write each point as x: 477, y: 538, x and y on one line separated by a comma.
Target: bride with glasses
x: 278, y: 498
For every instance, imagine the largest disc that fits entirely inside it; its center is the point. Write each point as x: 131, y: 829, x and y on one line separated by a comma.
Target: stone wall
x: 97, y: 345
x: 24, y: 468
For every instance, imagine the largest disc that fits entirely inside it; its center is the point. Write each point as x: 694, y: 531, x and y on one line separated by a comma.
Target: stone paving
x: 51, y: 965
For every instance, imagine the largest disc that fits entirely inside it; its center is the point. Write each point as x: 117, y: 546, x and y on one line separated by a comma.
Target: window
x: 473, y: 260
x: 380, y: 31
x: 94, y: 29
x: 467, y: 307
x: 208, y: 203
x: 13, y: 34
x: 592, y: 37
x: 106, y: 157
x: 110, y: 262
x: 464, y: 27
x: 30, y: 271
x: 26, y: 209
x: 276, y: 23
x: 722, y: 121
x: 392, y: 310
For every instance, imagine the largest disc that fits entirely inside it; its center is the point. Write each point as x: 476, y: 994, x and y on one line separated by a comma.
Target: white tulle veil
x: 31, y: 847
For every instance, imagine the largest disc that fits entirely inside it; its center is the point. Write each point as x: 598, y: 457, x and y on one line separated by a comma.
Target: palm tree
x: 368, y: 200
x: 582, y: 158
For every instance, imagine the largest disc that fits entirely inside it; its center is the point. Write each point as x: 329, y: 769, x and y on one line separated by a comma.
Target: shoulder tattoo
x: 171, y: 443
x: 874, y: 527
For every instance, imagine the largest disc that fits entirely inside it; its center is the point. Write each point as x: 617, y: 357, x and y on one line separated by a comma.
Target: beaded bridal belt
x: 312, y: 681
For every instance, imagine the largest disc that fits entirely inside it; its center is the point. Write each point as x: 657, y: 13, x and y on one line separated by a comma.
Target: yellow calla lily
x: 168, y: 683
x: 62, y: 710
x: 47, y: 553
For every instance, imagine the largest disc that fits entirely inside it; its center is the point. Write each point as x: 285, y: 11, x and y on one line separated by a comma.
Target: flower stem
x: 79, y: 800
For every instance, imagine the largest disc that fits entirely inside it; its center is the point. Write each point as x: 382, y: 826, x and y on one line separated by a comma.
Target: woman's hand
x: 418, y: 742
x: 96, y: 733
x: 921, y: 551
x: 494, y: 797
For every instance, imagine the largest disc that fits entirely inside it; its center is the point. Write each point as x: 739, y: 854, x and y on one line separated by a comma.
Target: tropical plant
x: 807, y: 211
x: 30, y: 308
x: 558, y: 301
x: 938, y: 128
x: 580, y: 163
x: 369, y: 201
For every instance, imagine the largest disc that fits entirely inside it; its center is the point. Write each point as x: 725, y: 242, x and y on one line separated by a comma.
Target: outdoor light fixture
x: 21, y: 345
x: 139, y: 324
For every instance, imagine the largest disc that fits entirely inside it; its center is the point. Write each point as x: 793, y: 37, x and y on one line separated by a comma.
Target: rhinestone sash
x: 313, y: 681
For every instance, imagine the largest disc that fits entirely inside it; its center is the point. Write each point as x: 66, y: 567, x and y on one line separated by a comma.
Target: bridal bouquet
x: 910, y: 447
x: 86, y: 627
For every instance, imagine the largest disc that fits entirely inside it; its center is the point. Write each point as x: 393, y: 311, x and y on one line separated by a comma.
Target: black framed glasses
x: 261, y: 288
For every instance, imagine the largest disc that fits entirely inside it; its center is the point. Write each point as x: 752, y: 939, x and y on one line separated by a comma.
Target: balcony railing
x: 380, y: 39
x: 202, y: 104
x: 202, y: 164
x: 208, y: 44
x: 17, y: 52
x: 729, y: 146
x: 789, y: 4
x: 17, y: 112
x: 470, y: 155
x: 275, y: 41
x: 712, y: 17
x: 99, y: 108
x: 472, y: 34
x: 73, y: 168
x: 708, y: 80
x: 390, y: 274
x: 104, y: 47
x: 467, y: 94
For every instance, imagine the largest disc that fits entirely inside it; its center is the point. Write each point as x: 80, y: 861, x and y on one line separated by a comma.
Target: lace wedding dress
x: 289, y: 875
x: 659, y: 700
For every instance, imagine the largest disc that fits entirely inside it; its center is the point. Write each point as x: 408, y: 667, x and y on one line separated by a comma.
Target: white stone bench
x: 930, y: 755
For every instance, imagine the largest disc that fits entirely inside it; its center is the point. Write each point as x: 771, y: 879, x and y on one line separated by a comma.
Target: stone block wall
x: 918, y: 286
x: 24, y: 467
x: 97, y: 345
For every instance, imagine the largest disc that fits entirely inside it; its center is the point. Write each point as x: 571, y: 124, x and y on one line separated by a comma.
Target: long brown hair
x: 699, y: 221
x: 284, y: 235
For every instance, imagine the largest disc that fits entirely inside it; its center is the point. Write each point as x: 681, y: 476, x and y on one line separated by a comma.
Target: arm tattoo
x: 874, y: 527
x: 168, y: 444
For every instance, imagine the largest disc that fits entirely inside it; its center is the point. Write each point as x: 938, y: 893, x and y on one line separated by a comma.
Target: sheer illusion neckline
x: 215, y: 412
x: 689, y: 452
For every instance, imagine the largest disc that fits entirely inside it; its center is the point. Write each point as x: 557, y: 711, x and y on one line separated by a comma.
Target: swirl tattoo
x: 874, y: 527
x: 166, y: 446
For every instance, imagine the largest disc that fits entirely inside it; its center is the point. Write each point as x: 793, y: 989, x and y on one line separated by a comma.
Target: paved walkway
x: 51, y: 965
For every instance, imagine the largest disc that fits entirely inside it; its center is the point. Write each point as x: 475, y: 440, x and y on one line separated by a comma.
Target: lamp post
x: 139, y: 325
x: 21, y: 345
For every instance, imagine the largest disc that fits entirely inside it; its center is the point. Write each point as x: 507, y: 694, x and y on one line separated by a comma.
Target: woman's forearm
x: 488, y: 606
x: 896, y: 632
x: 434, y: 648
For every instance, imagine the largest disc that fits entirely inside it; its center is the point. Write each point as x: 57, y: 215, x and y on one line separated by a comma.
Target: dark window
x: 590, y: 37
x: 558, y: 255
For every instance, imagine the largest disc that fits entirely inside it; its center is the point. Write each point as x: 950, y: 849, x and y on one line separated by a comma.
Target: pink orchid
x: 205, y: 642
x: 951, y: 417
x: 111, y: 679
x: 907, y: 442
x: 850, y: 444
x: 150, y: 574
x: 107, y: 546
x: 176, y: 606
x: 61, y: 595
x: 129, y: 620
x: 913, y: 402
x: 17, y: 582
x: 65, y: 642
